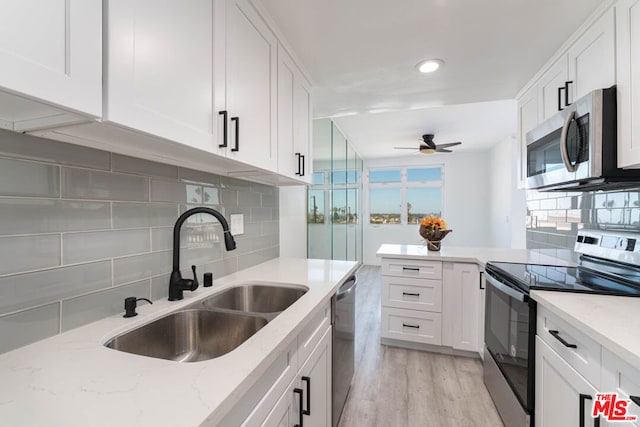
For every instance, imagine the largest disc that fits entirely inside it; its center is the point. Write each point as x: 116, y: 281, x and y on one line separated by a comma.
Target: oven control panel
x: 612, y: 245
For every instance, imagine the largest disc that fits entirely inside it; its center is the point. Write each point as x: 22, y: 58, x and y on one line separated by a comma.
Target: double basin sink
x: 210, y: 327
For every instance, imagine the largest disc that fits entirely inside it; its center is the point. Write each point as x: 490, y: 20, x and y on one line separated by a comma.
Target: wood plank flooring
x: 394, y: 387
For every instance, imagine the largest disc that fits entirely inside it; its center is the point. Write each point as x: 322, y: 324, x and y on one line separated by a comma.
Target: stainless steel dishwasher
x: 343, y: 319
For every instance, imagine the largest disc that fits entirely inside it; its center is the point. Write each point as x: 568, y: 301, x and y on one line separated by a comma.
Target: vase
x: 433, y: 238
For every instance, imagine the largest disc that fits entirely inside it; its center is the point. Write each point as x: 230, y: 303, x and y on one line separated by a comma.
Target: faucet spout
x: 176, y: 283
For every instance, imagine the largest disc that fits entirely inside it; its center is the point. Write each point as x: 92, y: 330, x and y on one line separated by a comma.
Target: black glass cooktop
x: 598, y: 277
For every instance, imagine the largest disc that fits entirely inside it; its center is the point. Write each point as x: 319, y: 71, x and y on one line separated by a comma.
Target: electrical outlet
x: 237, y: 224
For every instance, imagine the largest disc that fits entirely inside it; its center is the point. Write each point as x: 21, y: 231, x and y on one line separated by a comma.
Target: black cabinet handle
x: 237, y: 121
x: 560, y: 89
x: 410, y: 269
x: 583, y: 397
x: 308, y: 410
x: 635, y: 399
x: 224, y: 128
x: 404, y: 325
x: 298, y: 155
x: 481, y: 287
x: 566, y: 92
x: 557, y: 336
x: 302, y: 157
x: 298, y: 391
x: 411, y: 294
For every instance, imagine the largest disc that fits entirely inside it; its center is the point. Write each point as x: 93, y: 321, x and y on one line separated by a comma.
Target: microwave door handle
x: 564, y: 149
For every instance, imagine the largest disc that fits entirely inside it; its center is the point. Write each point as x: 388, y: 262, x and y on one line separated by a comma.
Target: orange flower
x: 434, y: 223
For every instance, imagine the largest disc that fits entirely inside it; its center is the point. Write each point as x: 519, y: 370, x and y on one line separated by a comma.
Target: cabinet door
x: 592, y: 58
x: 528, y: 118
x: 559, y: 391
x: 317, y: 389
x: 160, y: 69
x: 548, y: 85
x: 461, y: 306
x: 285, y: 412
x: 52, y: 51
x: 628, y: 81
x: 302, y: 126
x: 287, y: 160
x: 620, y: 377
x: 251, y: 86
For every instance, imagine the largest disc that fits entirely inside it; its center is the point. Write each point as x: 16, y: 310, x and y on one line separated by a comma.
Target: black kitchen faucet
x: 176, y: 283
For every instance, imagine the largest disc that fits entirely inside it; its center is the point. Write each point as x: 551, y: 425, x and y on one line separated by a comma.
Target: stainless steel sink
x: 256, y: 298
x: 189, y: 335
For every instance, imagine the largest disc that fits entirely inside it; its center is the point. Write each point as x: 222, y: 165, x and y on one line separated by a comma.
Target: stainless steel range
x: 609, y: 264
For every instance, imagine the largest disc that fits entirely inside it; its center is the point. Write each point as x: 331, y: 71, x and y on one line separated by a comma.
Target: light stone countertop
x: 612, y: 321
x: 467, y: 254
x: 73, y: 380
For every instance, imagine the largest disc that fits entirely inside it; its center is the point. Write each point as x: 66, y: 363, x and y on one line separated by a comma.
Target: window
x: 318, y: 178
x: 405, y: 195
x: 315, y: 215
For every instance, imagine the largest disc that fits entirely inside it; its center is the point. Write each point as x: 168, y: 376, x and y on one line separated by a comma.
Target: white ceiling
x: 361, y: 54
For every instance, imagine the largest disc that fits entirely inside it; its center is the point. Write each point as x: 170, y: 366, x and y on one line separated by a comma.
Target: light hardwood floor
x: 394, y: 387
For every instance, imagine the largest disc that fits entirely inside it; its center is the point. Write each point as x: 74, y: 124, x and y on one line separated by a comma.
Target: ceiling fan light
x: 427, y: 151
x: 430, y: 65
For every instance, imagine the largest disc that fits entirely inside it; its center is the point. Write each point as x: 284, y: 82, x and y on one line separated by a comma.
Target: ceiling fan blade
x: 405, y: 148
x: 443, y: 150
x: 450, y: 144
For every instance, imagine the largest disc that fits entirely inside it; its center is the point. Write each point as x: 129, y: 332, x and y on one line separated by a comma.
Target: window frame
x: 403, y: 184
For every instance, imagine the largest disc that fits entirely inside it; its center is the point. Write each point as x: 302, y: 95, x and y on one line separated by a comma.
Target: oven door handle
x: 513, y: 293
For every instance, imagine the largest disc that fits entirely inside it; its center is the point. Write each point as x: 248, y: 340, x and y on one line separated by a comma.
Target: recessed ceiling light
x: 430, y: 65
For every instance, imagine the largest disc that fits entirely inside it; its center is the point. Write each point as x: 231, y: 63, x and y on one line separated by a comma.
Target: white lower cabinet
x: 301, y: 373
x: 620, y: 377
x: 563, y: 396
x: 432, y: 302
x: 462, y: 306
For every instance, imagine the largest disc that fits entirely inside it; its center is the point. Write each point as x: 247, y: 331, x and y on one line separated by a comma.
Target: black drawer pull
x: 557, y: 336
x: 298, y: 391
x: 583, y: 397
x: 635, y: 399
x: 410, y: 294
x: 308, y: 410
x: 404, y: 325
x: 410, y: 269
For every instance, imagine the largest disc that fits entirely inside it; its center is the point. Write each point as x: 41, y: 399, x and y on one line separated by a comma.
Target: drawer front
x: 585, y: 357
x: 411, y: 325
x: 620, y: 377
x: 313, y: 332
x: 412, y: 268
x: 413, y: 294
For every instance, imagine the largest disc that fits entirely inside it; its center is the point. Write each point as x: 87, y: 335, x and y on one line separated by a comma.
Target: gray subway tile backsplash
x: 33, y: 325
x: 28, y: 179
x: 555, y: 218
x: 81, y: 229
x: 99, y: 185
x: 31, y: 216
x: 28, y: 253
x: 91, y: 246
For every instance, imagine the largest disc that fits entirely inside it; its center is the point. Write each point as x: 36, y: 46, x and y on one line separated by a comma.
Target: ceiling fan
x: 429, y: 147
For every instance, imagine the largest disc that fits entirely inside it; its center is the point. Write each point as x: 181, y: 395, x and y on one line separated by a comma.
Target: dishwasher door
x: 343, y: 319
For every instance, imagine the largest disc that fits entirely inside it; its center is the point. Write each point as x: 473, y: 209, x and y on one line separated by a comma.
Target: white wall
x: 293, y: 221
x: 465, y: 205
x: 507, y: 209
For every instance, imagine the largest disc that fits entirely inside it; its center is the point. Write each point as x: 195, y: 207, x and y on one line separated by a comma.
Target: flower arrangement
x: 433, y: 230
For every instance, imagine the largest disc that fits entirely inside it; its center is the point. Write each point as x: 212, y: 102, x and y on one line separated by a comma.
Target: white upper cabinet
x: 294, y: 120
x: 528, y: 118
x: 159, y: 71
x: 50, y: 61
x: 628, y: 81
x: 251, y: 51
x: 551, y: 89
x: 592, y: 58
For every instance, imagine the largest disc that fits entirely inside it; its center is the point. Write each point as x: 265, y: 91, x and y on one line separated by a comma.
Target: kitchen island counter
x: 72, y: 379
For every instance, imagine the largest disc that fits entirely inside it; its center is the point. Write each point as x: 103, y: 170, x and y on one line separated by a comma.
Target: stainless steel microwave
x: 576, y: 148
